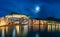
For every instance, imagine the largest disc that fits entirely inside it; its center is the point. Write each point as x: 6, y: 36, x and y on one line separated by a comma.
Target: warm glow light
x: 49, y: 28
x: 53, y: 27
x: 41, y: 27
x: 17, y: 28
x: 3, y: 21
x: 17, y: 16
x: 41, y: 22
x: 36, y: 27
x: 57, y: 27
x: 35, y: 21
x: 7, y: 29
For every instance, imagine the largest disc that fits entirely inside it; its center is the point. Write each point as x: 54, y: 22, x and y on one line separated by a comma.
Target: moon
x: 37, y: 8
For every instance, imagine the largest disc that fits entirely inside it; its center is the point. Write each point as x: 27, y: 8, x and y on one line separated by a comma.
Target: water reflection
x: 7, y: 29
x: 37, y: 35
x: 3, y: 34
x: 14, y: 32
x: 25, y: 29
x: 17, y: 31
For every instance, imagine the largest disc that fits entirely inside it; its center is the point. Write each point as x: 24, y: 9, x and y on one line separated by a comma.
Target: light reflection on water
x: 6, y: 29
x: 17, y: 29
x: 37, y: 35
x: 3, y: 34
x: 15, y: 32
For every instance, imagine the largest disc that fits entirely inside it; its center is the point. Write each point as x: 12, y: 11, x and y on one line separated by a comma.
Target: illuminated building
x: 35, y: 24
x: 23, y: 24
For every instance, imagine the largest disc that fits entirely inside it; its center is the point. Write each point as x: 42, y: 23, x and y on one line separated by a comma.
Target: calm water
x: 19, y: 31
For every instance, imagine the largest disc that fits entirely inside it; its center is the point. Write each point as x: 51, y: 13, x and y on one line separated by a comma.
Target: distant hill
x: 49, y: 18
x: 53, y: 19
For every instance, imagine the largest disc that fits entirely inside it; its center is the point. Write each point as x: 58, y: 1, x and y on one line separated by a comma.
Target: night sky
x: 33, y: 8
